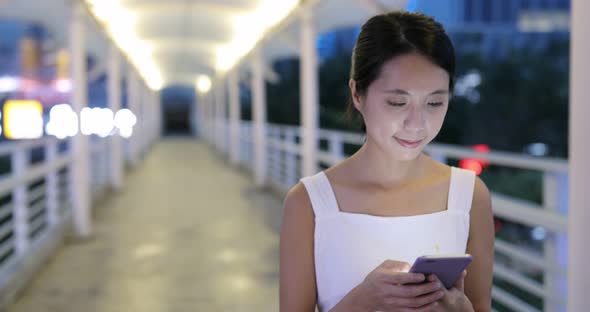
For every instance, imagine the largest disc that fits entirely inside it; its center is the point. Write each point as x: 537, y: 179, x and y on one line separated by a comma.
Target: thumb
x: 460, y: 283
x: 396, y: 266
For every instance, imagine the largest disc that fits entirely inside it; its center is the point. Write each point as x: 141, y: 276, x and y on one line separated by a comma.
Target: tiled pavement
x: 187, y: 233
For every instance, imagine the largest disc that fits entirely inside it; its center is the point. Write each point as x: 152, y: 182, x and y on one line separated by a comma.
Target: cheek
x: 434, y: 121
x: 384, y: 120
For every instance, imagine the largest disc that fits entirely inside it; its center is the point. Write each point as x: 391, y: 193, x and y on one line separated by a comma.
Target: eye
x: 435, y: 104
x: 398, y: 104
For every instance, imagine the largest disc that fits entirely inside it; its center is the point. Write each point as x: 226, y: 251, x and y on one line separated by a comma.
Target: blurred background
x: 104, y: 101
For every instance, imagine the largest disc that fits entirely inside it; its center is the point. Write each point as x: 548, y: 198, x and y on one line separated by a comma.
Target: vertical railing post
x: 198, y: 114
x: 80, y: 187
x: 213, y: 116
x: 19, y: 199
x: 133, y: 100
x: 243, y: 144
x: 309, y: 93
x: 555, y: 199
x: 234, y: 116
x: 336, y: 147
x: 114, y: 100
x: 221, y: 120
x: 159, y: 116
x: 106, y: 161
x: 290, y: 158
x: 579, y: 153
x: 259, y: 118
x: 275, y: 160
x: 51, y: 183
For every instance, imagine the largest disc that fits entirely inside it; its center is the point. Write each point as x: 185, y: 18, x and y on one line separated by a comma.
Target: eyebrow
x: 404, y: 92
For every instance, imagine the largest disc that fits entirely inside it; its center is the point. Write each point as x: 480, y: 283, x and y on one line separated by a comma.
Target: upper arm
x: 297, y: 269
x: 478, y: 282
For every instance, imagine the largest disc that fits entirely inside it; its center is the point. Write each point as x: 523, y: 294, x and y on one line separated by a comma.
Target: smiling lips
x: 408, y: 144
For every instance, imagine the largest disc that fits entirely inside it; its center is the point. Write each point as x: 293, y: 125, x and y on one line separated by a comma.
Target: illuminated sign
x: 23, y: 119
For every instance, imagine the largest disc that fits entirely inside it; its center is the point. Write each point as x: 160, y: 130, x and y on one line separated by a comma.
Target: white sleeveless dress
x: 348, y: 246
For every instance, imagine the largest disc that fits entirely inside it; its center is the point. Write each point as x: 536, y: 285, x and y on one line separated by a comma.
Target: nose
x: 415, y: 119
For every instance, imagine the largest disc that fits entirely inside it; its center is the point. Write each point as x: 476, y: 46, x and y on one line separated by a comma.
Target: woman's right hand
x: 390, y: 287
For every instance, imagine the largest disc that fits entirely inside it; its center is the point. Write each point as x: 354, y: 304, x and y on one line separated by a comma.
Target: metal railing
x: 36, y: 196
x: 525, y: 278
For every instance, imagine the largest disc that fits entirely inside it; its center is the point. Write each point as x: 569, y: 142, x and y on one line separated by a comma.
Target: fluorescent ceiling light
x: 250, y: 28
x: 120, y: 25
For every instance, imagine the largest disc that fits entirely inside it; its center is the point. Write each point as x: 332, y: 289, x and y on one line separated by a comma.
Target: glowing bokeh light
x: 23, y: 119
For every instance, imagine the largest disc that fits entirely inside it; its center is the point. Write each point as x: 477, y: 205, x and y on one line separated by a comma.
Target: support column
x: 234, y: 116
x: 221, y: 120
x: 197, y: 115
x: 114, y: 101
x: 214, y: 115
x: 259, y: 118
x: 80, y: 170
x: 133, y: 105
x: 141, y: 118
x: 149, y: 118
x: 203, y: 114
x: 579, y: 153
x: 157, y: 107
x: 309, y: 93
x: 206, y: 118
x: 158, y: 115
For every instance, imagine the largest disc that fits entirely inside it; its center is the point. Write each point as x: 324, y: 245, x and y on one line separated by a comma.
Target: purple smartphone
x: 447, y: 268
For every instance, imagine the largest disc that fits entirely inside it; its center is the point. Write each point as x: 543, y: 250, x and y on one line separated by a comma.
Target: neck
x: 374, y: 167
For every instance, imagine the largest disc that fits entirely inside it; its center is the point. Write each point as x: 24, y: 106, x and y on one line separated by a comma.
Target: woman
x: 350, y: 232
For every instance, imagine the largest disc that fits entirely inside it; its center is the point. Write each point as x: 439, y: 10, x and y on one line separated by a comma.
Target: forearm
x: 352, y: 303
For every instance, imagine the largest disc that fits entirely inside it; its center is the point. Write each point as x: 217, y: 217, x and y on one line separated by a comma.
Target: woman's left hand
x: 454, y: 299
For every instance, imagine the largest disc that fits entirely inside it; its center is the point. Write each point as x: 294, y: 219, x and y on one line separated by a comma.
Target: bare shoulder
x: 481, y: 196
x: 298, y: 196
x: 297, y: 202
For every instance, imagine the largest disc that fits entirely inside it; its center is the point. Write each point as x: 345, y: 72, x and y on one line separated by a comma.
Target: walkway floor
x: 187, y: 234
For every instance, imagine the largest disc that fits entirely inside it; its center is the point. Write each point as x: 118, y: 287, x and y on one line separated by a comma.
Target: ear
x: 356, y: 98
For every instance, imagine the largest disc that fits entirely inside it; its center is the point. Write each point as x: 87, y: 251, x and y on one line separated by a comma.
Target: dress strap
x: 321, y: 195
x: 461, y: 189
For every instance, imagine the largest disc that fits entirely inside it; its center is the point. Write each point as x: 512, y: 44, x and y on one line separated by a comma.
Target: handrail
x: 285, y: 151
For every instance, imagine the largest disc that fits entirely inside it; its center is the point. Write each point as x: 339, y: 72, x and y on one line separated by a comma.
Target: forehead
x: 412, y: 72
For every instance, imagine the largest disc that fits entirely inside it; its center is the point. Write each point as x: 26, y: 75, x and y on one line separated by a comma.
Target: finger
x: 413, y: 291
x: 433, y: 278
x: 415, y: 302
x: 400, y: 278
x: 434, y: 306
x: 460, y: 283
x: 396, y: 266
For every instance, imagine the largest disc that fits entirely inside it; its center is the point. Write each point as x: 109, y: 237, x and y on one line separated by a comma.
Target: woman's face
x: 405, y: 107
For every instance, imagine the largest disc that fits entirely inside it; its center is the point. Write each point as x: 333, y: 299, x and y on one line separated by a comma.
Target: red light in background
x: 481, y: 148
x: 497, y: 225
x: 471, y: 164
x: 476, y: 165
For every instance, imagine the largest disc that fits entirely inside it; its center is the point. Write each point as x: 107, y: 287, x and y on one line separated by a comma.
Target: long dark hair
x: 389, y: 35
